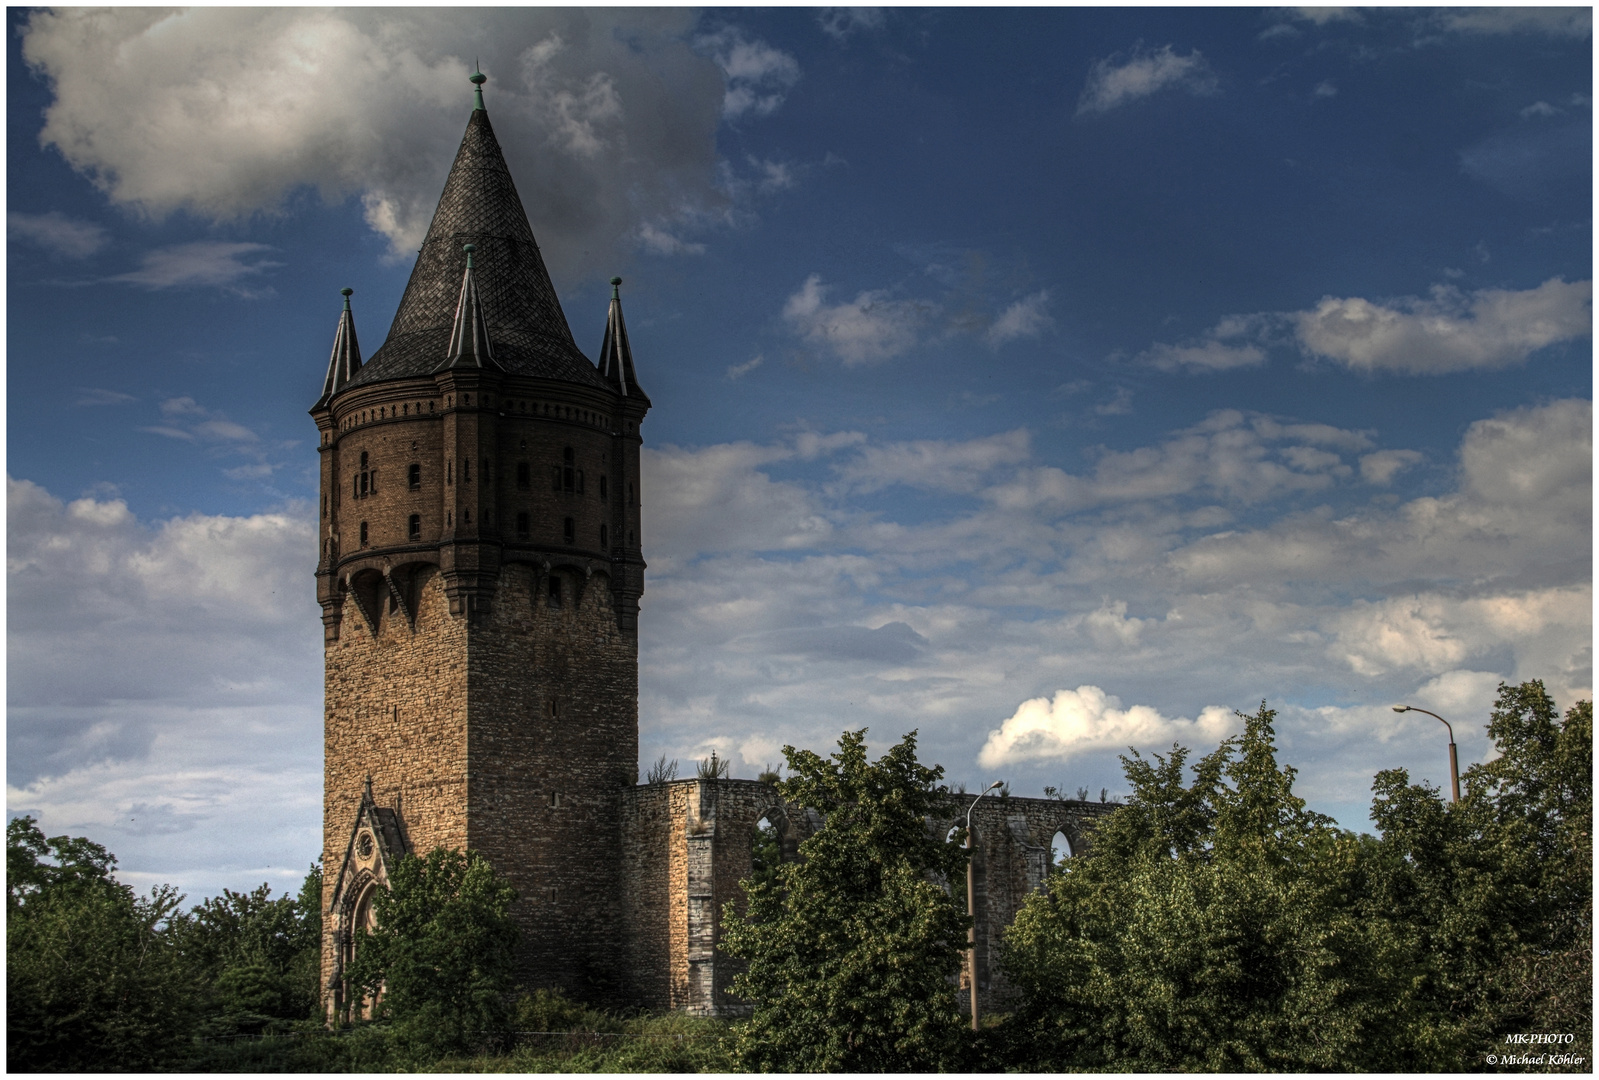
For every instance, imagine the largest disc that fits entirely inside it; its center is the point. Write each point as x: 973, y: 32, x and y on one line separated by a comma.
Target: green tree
x: 1494, y: 894
x: 257, y: 957
x: 853, y: 950
x: 441, y: 961
x: 1212, y: 927
x: 93, y: 981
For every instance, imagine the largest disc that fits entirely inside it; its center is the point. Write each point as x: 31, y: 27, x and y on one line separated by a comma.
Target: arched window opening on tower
x: 603, y: 542
x: 466, y: 471
x: 466, y: 517
x: 363, y: 534
x: 363, y: 459
x: 580, y: 481
x: 522, y: 525
x: 524, y: 475
x: 569, y: 529
x: 555, y: 591
x: 449, y: 473
x: 413, y: 477
x: 414, y: 527
x: 602, y: 489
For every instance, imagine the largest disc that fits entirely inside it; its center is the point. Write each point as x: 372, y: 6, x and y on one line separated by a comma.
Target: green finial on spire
x: 469, y: 248
x: 346, y: 294
x: 616, y: 288
x: 478, y: 79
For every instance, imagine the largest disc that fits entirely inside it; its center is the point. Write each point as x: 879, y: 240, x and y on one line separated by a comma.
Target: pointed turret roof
x: 469, y: 337
x: 524, y: 320
x: 345, y: 362
x: 616, y: 357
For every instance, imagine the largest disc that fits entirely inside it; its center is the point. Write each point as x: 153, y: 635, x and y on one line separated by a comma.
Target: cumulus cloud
x: 1027, y: 317
x: 871, y: 328
x: 228, y: 112
x: 758, y: 76
x: 1450, y: 331
x: 1121, y: 78
x: 1088, y: 719
x: 55, y: 233
x: 738, y: 371
x: 1381, y: 468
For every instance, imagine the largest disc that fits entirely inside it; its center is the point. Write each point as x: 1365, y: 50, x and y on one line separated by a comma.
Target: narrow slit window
x: 414, y: 528
x: 603, y: 542
x: 569, y: 530
x: 602, y: 489
x: 363, y: 534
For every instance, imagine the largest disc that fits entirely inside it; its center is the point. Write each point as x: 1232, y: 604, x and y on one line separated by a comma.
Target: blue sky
x: 1048, y: 381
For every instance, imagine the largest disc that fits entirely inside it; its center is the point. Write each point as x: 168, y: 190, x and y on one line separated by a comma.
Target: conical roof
x: 528, y: 331
x: 616, y: 356
x: 345, y: 363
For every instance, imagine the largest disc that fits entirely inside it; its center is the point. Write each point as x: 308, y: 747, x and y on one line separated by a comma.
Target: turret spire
x: 469, y: 340
x: 478, y: 79
x: 616, y: 357
x: 346, y: 358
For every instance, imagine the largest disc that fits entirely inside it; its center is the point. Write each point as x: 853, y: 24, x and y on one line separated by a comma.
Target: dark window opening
x: 415, y: 527
x: 568, y: 473
x: 521, y: 524
x: 580, y: 481
x: 602, y: 487
x: 365, y: 477
x: 324, y: 507
x: 555, y: 478
x: 555, y: 591
x: 363, y: 534
x: 569, y: 530
x: 466, y: 517
x: 524, y: 475
x: 630, y: 494
x: 602, y: 537
x: 449, y: 473
x: 414, y: 477
x: 363, y: 459
x: 466, y: 471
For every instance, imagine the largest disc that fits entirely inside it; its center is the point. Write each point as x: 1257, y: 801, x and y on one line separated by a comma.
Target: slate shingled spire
x: 524, y: 320
x: 616, y: 358
x: 469, y: 338
x: 345, y: 363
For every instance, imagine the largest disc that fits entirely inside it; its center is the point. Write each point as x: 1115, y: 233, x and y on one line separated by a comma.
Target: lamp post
x: 971, y: 902
x: 1454, y: 762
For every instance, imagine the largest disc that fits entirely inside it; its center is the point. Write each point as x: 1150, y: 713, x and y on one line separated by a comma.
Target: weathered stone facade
x: 480, y: 572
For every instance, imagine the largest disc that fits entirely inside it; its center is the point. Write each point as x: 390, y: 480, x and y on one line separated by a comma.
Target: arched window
x: 413, y: 477
x: 524, y: 475
x: 363, y: 534
x: 602, y: 489
x: 466, y: 471
x: 363, y: 459
x: 522, y: 524
x: 603, y: 541
x: 555, y: 591
x: 569, y: 529
x: 1060, y: 849
x: 414, y: 527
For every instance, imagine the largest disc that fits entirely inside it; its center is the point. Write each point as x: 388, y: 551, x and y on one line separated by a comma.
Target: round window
x: 363, y: 845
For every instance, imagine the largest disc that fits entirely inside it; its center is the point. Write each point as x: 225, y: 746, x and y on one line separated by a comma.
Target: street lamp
x: 1454, y: 762
x: 971, y: 902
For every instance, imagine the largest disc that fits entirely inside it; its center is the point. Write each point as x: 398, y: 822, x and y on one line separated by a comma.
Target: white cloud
x: 1121, y: 78
x: 1381, y: 468
x: 758, y: 76
x: 1446, y: 332
x: 1539, y: 108
x: 660, y: 241
x: 935, y: 464
x: 840, y: 23
x: 89, y: 395
x: 227, y: 112
x: 871, y: 328
x: 1574, y: 22
x: 1088, y: 719
x: 720, y: 501
x: 62, y: 237
x: 738, y: 371
x: 1324, y: 89
x: 1450, y: 331
x: 1027, y: 317
x: 213, y: 263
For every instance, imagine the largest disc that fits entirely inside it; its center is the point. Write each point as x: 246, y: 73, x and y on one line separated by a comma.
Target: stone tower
x: 479, y: 579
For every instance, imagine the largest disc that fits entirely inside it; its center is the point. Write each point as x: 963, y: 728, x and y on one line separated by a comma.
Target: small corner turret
x: 616, y: 356
x: 346, y: 358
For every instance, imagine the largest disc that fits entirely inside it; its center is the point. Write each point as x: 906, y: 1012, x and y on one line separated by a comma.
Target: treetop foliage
x: 853, y: 950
